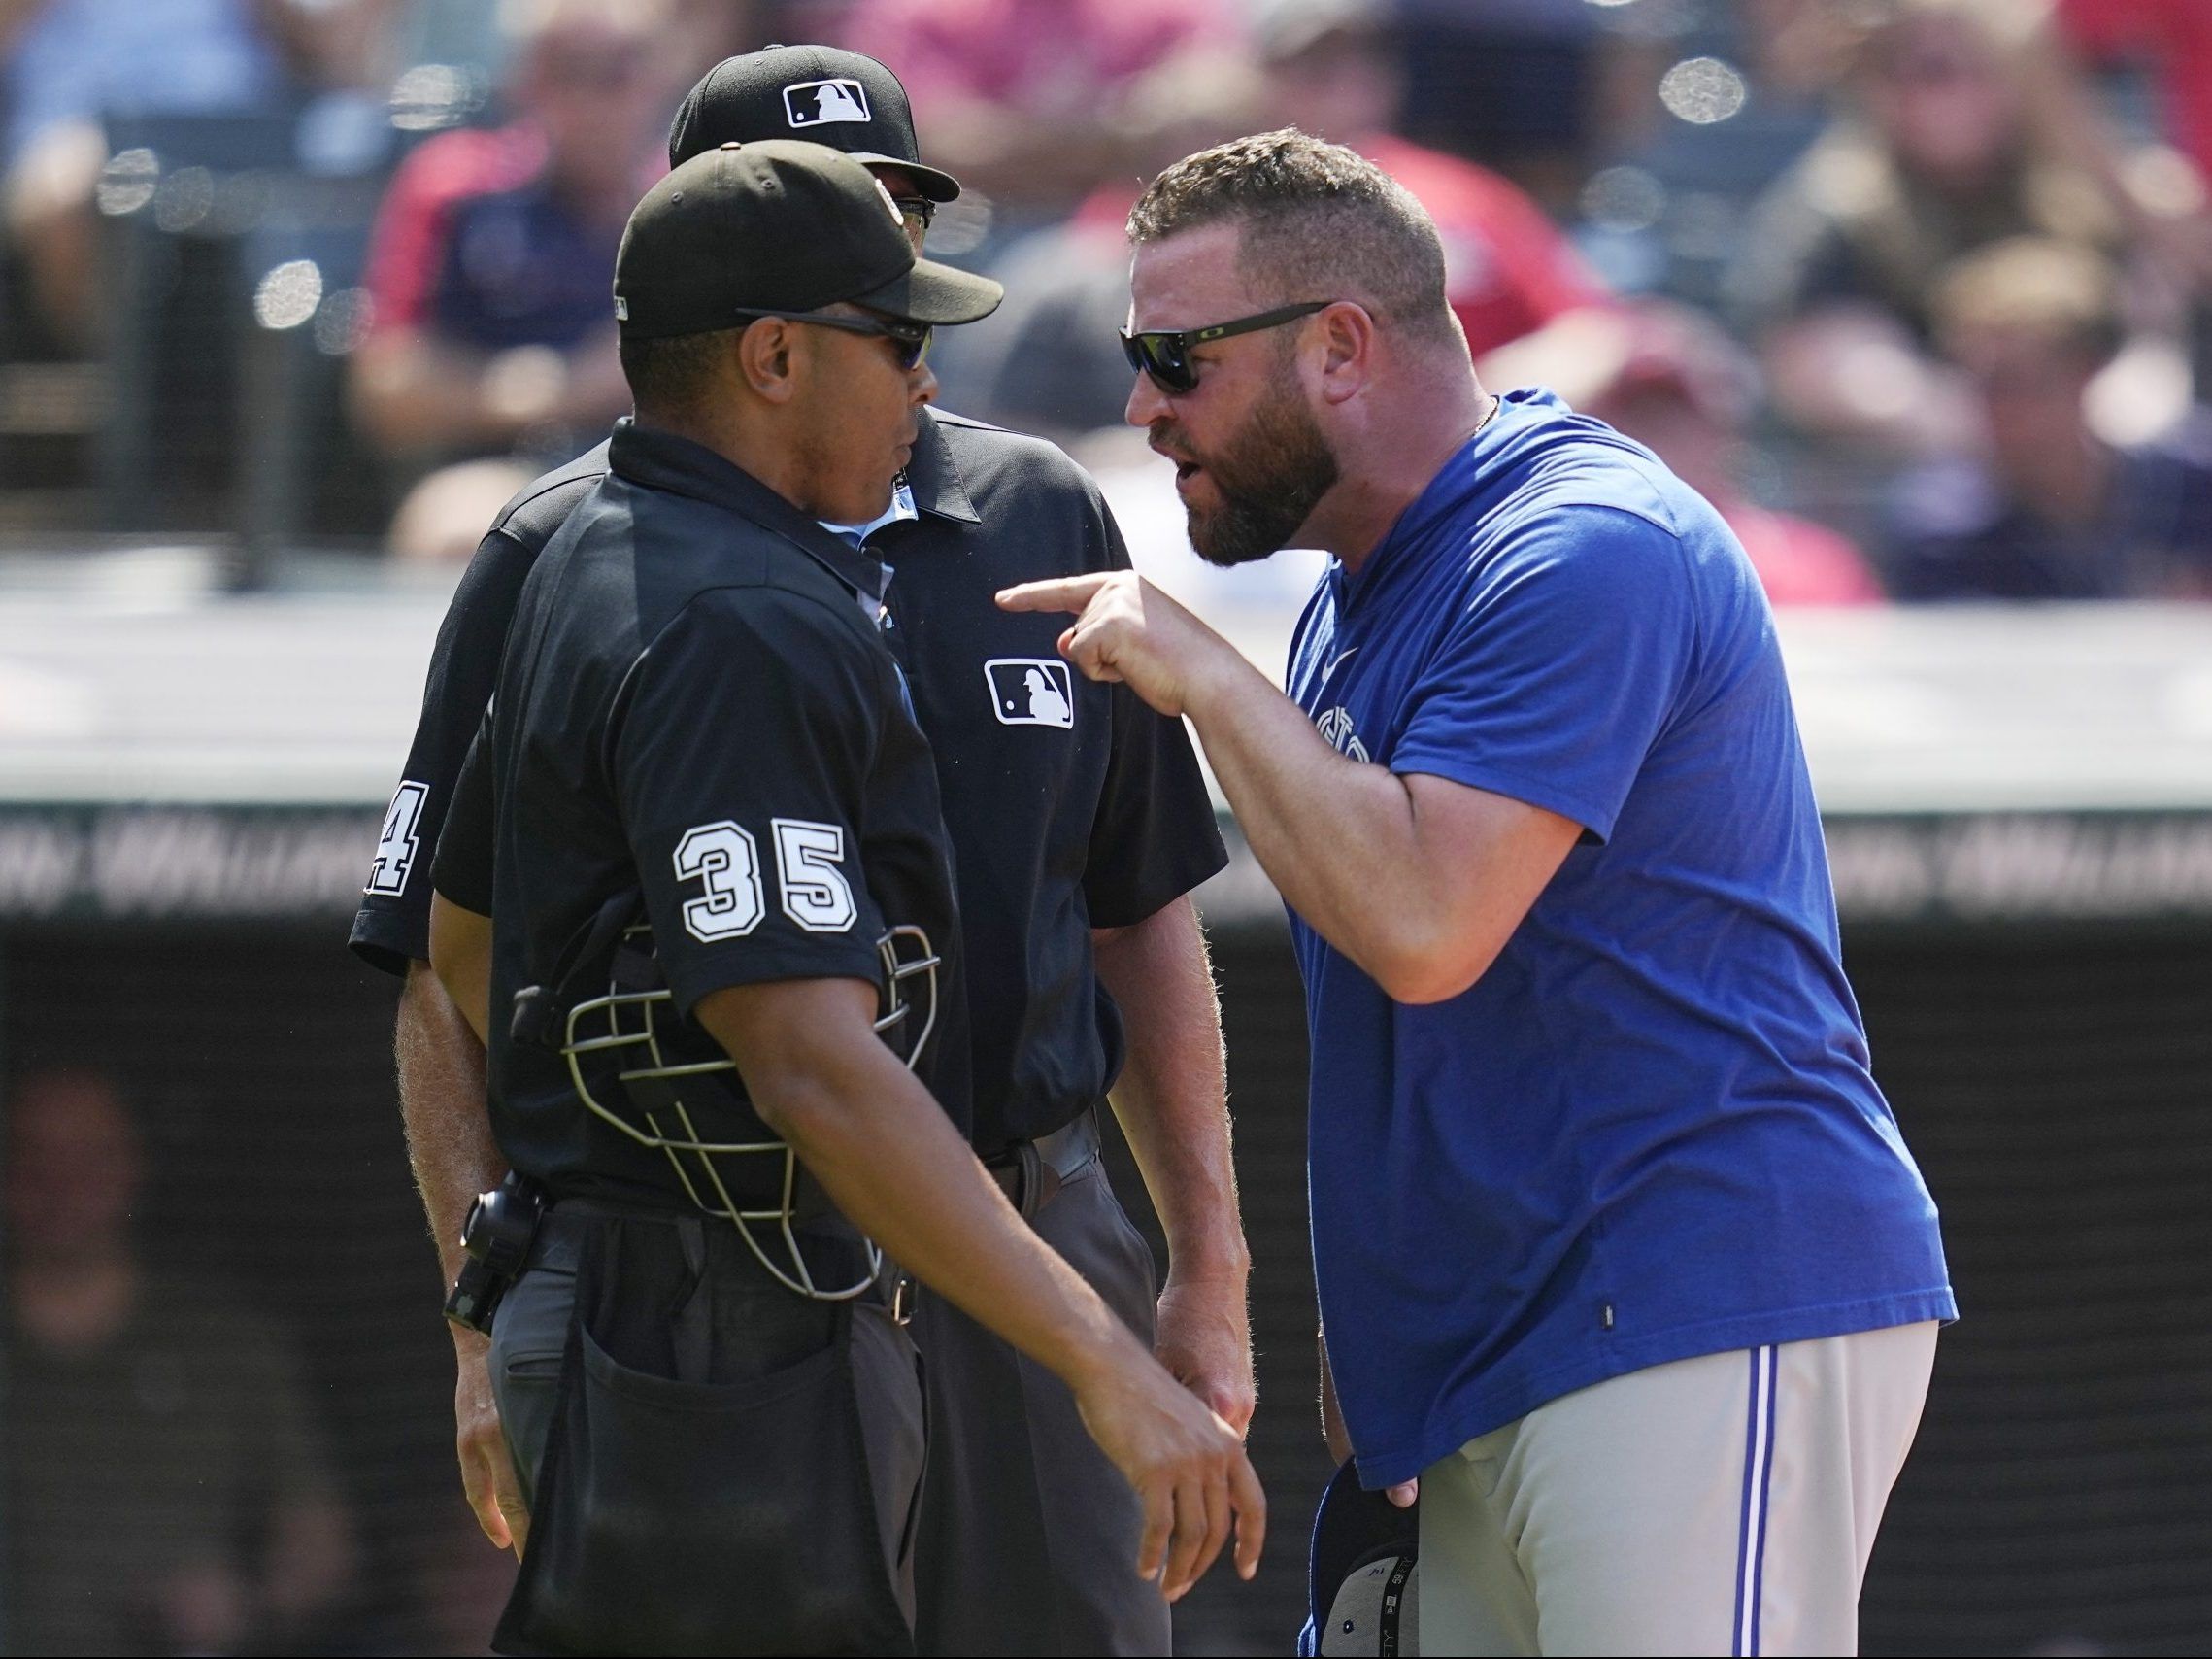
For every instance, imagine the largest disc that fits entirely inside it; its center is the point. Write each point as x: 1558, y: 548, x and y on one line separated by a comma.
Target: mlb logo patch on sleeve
x: 1031, y: 691
x: 817, y: 103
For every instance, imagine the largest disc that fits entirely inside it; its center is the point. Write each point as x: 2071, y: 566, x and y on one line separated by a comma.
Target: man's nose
x: 924, y: 383
x: 1147, y: 402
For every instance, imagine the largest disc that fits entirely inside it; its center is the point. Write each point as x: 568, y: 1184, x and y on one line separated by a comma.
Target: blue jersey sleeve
x: 1568, y: 660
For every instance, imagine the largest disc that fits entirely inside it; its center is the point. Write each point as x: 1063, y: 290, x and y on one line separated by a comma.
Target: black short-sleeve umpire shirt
x: 695, y: 705
x: 1070, y: 804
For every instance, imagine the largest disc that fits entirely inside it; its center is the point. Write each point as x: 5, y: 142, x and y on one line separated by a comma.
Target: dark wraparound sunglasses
x: 919, y: 209
x: 1165, y: 354
x: 911, y: 338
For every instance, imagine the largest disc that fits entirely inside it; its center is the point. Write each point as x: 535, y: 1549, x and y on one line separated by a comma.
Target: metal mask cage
x: 630, y: 1030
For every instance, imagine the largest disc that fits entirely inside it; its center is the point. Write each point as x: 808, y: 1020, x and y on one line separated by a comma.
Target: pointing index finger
x: 1063, y: 593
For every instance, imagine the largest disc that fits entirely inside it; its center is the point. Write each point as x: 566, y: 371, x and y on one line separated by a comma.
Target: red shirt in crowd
x: 1508, y: 270
x: 2174, y: 34
x: 1801, y: 562
x: 1041, y: 57
x: 473, y: 244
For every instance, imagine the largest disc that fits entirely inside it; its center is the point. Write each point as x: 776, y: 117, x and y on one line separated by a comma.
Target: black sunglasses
x: 911, y: 338
x: 1165, y: 354
x: 920, y: 208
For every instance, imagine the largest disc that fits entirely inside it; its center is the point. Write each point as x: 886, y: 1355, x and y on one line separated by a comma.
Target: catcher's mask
x: 672, y: 1088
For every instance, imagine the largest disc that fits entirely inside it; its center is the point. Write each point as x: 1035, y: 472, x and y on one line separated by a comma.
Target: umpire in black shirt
x: 1079, y: 824
x: 698, y: 728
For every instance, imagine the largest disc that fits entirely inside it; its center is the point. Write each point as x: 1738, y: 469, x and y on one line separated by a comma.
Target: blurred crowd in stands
x: 1914, y: 290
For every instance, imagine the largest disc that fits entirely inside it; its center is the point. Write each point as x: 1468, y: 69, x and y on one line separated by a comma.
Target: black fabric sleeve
x: 393, y: 926
x: 741, y: 753
x: 1155, y: 837
x: 463, y: 873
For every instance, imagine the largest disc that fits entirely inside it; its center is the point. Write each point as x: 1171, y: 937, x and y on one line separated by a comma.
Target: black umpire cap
x: 815, y: 93
x: 779, y: 227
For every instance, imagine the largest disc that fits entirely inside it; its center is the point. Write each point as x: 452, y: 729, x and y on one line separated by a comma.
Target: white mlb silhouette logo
x: 817, y: 103
x: 1031, y: 691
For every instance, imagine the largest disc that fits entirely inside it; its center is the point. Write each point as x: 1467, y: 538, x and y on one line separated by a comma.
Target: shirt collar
x: 899, y: 512
x: 935, y: 477
x: 661, y: 460
x: 1461, y: 478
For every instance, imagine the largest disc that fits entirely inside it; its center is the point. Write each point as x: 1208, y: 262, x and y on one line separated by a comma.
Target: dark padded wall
x: 2058, y: 1088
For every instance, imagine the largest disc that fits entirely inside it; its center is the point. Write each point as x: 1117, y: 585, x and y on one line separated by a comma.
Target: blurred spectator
x: 1032, y: 102
x: 2175, y: 38
x: 1961, y: 127
x: 71, y: 63
x: 1798, y: 48
x: 702, y: 32
x: 444, y: 517
x: 1704, y: 109
x: 1331, y: 69
x: 2049, y: 510
x: 493, y: 255
x: 2166, y: 188
x: 1684, y: 389
x: 167, y: 1490
x: 1521, y: 86
x: 1049, y: 360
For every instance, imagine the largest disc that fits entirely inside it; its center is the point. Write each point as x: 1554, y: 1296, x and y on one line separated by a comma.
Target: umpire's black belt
x: 1031, y: 1171
x: 834, y: 1249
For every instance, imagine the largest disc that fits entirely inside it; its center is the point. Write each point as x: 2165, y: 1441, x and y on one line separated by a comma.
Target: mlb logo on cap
x: 817, y: 103
x: 1031, y: 691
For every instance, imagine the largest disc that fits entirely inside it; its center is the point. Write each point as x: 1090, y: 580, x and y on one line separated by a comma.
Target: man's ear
x: 768, y: 352
x: 1348, y: 342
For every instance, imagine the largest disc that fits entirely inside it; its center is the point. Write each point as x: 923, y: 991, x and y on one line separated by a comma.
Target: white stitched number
x: 397, y: 844
x: 816, y: 894
x: 722, y: 855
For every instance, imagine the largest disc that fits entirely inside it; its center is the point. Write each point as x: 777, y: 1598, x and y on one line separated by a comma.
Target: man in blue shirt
x: 1618, y: 1249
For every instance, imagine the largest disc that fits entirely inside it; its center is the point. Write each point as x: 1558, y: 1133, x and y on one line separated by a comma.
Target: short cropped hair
x: 2067, y: 295
x: 1318, y: 222
x: 674, y: 372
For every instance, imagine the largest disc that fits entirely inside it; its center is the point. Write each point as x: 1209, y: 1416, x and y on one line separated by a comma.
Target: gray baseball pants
x: 1719, y: 1505
x: 1028, y: 1536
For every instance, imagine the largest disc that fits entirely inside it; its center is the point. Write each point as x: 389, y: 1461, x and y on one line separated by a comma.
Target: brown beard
x: 1270, y: 478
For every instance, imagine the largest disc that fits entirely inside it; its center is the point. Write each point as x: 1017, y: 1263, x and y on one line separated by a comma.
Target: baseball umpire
x: 1079, y: 824
x: 716, y: 839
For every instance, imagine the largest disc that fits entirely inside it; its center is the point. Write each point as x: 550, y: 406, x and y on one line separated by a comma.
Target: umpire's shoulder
x: 807, y: 639
x: 543, y: 505
x: 1010, y: 468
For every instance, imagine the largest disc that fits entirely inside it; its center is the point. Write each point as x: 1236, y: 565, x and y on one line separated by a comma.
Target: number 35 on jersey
x: 724, y: 857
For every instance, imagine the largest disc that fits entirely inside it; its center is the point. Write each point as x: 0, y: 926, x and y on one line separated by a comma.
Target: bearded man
x: 1620, y: 1255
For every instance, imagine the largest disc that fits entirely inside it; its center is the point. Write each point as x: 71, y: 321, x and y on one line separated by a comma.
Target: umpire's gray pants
x: 1028, y: 1536
x: 529, y: 1337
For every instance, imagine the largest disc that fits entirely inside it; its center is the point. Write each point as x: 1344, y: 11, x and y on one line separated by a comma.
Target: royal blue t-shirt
x: 1649, y: 1131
